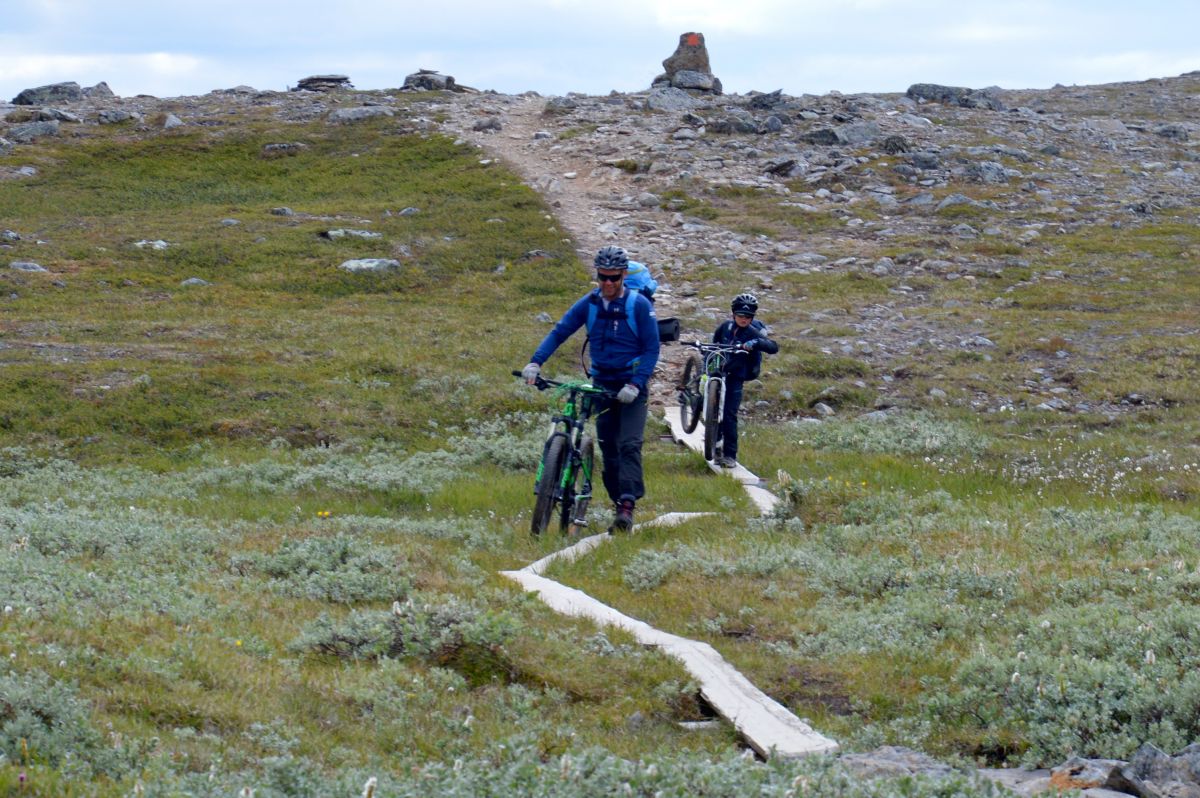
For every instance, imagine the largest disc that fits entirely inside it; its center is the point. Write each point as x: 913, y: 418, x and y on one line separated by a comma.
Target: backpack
x: 638, y: 278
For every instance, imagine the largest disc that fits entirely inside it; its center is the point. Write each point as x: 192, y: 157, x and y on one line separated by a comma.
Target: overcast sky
x: 181, y: 47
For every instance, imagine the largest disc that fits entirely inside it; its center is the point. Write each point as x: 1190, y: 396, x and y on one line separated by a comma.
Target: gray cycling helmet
x: 745, y: 303
x: 612, y: 258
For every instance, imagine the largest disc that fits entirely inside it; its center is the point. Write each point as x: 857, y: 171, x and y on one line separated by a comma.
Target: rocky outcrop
x: 324, y: 83
x: 988, y: 99
x: 688, y: 67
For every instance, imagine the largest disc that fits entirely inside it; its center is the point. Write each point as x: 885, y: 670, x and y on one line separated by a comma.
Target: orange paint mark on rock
x: 693, y: 40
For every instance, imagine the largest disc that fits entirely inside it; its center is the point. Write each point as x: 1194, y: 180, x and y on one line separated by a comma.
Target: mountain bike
x: 702, y: 392
x: 564, y: 474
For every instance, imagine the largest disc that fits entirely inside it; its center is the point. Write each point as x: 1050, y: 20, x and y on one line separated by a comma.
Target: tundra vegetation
x: 250, y: 530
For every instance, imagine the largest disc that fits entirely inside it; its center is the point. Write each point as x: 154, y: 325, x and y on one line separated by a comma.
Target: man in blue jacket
x: 623, y: 335
x: 750, y: 335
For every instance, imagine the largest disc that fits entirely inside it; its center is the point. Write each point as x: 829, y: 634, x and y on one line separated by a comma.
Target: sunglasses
x: 609, y: 278
x: 744, y: 315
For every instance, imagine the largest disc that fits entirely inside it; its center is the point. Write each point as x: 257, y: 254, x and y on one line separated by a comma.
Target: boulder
x: 100, y: 91
x: 115, y: 116
x: 988, y: 99
x: 5, y: 146
x: 429, y: 80
x: 370, y: 265
x: 1078, y: 773
x: 671, y: 99
x: 26, y: 266
x: 324, y: 83
x: 24, y: 134
x: 49, y: 95
x: 690, y: 56
x: 343, y: 116
x: 688, y: 79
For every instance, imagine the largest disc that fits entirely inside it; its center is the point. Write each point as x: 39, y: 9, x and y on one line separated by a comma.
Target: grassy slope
x: 174, y: 452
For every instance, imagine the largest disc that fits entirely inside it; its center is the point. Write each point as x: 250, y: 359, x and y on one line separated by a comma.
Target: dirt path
x: 586, y: 196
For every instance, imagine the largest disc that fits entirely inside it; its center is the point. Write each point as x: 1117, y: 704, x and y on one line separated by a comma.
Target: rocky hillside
x: 950, y: 203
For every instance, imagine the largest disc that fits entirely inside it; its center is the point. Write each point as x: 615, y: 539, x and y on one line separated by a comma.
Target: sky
x: 171, y: 48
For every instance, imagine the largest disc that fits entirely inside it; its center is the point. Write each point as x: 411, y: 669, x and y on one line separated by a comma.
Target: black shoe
x: 623, y: 517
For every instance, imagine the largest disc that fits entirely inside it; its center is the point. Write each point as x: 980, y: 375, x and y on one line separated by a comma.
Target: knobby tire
x: 690, y: 399
x: 552, y: 468
x: 712, y: 420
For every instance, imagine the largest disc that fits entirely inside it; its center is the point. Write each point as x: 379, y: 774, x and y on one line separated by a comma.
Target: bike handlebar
x: 705, y: 346
x: 541, y: 383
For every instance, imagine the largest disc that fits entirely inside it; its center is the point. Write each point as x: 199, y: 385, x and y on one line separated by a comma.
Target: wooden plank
x: 762, y: 498
x: 766, y: 725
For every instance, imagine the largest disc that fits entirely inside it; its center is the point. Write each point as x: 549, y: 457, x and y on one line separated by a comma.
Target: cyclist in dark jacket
x: 751, y: 335
x: 623, y: 335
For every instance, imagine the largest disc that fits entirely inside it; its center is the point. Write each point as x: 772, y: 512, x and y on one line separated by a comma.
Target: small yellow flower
x: 237, y: 642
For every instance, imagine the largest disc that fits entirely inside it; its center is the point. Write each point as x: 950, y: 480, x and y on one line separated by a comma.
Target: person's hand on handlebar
x: 530, y: 373
x: 749, y: 346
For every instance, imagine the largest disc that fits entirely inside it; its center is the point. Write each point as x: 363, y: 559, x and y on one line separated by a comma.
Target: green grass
x: 208, y: 491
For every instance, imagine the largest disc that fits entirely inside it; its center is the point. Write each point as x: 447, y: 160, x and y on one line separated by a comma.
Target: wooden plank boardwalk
x: 765, y: 724
x: 763, y: 499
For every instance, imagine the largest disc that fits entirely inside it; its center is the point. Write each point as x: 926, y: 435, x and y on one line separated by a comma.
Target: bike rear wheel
x: 573, y: 514
x: 690, y: 398
x: 553, y: 461
x: 712, y: 420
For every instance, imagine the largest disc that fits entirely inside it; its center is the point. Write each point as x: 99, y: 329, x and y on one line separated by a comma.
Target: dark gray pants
x: 620, y: 430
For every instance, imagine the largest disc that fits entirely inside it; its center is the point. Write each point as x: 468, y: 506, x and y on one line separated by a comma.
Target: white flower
x: 1150, y: 658
x: 1016, y: 677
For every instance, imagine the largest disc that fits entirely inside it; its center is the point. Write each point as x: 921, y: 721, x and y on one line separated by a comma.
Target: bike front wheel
x: 553, y: 461
x: 712, y: 419
x: 578, y: 493
x: 690, y: 398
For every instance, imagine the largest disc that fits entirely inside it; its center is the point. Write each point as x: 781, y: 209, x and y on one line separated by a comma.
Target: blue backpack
x: 638, y: 279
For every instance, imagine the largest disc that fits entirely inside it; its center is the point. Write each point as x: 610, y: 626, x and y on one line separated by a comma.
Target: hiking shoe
x: 726, y: 462
x: 623, y: 517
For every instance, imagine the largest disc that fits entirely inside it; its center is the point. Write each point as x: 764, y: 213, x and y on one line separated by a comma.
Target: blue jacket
x: 747, y: 366
x: 617, y: 353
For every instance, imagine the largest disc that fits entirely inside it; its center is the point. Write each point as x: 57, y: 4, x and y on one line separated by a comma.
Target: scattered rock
x: 25, y: 266
x: 894, y: 761
x: 490, y: 124
x: 171, y: 122
x: 370, y: 265
x: 283, y: 149
x: 340, y: 233
x: 158, y: 244
x: 342, y: 116
x: 195, y: 281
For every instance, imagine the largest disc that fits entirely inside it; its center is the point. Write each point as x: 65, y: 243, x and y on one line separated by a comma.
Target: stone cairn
x: 688, y: 67
x: 324, y: 83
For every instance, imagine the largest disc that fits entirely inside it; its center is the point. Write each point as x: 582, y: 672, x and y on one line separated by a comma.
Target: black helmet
x: 612, y: 258
x: 745, y: 303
